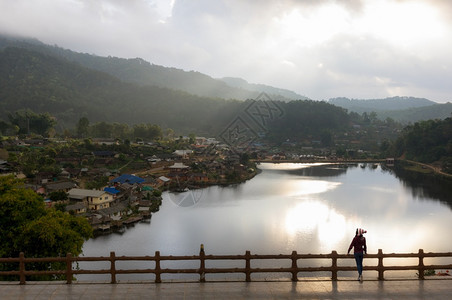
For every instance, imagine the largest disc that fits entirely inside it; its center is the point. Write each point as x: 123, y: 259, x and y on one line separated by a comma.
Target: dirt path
x: 433, y: 168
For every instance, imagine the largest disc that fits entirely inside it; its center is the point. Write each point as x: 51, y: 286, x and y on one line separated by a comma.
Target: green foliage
x: 55, y: 233
x: 147, y: 131
x: 430, y: 272
x: 23, y: 209
x: 426, y: 141
x: 31, y: 161
x: 60, y: 206
x: 97, y: 183
x: 27, y: 226
x: 58, y: 196
x: 30, y: 122
x: 156, y: 193
x: 82, y: 127
x: 304, y: 119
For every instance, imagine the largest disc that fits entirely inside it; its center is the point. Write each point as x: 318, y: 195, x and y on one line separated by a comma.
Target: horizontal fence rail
x: 22, y: 272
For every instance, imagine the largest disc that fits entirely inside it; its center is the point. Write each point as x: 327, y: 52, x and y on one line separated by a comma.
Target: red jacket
x: 359, y: 243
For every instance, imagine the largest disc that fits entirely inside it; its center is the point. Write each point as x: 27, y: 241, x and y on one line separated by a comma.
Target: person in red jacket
x: 360, y: 248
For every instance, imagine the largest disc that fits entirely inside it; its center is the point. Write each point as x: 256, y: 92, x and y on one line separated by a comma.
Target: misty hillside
x: 243, y: 84
x: 392, y: 103
x: 402, y: 109
x: 141, y: 72
x: 436, y: 111
x: 68, y: 91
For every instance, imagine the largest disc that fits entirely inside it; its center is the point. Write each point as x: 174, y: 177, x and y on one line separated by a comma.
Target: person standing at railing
x: 360, y: 248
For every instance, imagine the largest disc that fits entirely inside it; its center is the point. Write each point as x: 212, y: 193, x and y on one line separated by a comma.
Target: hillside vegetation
x: 141, y: 72
x: 402, y: 109
x: 44, y: 86
x: 45, y: 83
x: 68, y: 91
x: 426, y: 141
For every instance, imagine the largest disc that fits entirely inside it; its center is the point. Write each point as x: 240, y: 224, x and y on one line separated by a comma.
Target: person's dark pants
x: 359, y: 262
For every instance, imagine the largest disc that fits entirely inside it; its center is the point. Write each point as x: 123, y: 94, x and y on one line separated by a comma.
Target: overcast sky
x: 318, y: 48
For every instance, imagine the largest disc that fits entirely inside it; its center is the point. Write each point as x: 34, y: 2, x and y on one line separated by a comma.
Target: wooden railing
x: 294, y: 269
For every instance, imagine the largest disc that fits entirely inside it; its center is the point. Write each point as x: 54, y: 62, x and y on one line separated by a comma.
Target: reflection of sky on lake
x: 307, y: 208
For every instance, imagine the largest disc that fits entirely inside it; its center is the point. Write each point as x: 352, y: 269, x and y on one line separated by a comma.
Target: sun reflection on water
x: 315, y: 217
x: 308, y: 187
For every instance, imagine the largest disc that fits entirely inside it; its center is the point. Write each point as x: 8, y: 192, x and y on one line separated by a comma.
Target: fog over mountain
x: 392, y: 103
x: 69, y: 85
x: 319, y: 49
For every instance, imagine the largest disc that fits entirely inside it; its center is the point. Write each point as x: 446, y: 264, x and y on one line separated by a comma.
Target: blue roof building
x: 111, y: 190
x: 127, y: 178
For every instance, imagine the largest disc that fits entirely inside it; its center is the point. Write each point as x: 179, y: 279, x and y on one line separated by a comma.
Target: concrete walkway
x: 312, y: 289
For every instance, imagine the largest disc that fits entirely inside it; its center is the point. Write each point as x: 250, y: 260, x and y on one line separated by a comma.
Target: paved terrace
x: 303, y: 289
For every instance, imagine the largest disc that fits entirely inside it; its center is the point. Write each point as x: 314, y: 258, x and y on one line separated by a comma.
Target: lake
x: 310, y: 208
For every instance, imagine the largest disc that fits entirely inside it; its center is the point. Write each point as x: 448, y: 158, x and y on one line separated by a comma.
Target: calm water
x: 303, y: 207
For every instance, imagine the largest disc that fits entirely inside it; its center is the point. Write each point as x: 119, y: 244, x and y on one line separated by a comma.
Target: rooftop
x: 127, y: 178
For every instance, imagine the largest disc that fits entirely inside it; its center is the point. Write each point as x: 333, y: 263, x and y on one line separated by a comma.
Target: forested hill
x: 243, y: 84
x: 68, y: 91
x: 401, y: 109
x: 392, y: 103
x: 411, y: 115
x: 427, y: 141
x: 141, y: 72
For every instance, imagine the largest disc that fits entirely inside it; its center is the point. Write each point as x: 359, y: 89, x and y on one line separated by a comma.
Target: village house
x: 163, y: 181
x: 199, y: 177
x: 178, y: 167
x: 64, y: 186
x: 115, y: 212
x: 183, y: 153
x: 78, y: 208
x: 4, y: 166
x: 127, y: 178
x: 94, y: 199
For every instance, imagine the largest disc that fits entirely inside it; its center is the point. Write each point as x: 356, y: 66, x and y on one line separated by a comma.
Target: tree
x: 192, y: 138
x: 101, y: 130
x: 58, y: 196
x: 120, y: 130
x: 30, y: 122
x: 82, y: 127
x: 27, y: 226
x: 326, y: 138
x: 147, y: 131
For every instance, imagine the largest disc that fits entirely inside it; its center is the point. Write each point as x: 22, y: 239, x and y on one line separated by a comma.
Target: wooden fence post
x: 248, y: 266
x: 158, y: 271
x: 381, y: 268
x: 294, y: 266
x: 113, y: 266
x: 69, y: 268
x: 202, y: 264
x: 421, y: 264
x: 22, y: 267
x: 334, y: 265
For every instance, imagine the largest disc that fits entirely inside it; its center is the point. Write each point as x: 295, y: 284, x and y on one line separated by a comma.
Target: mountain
x: 369, y: 105
x: 402, y: 109
x: 68, y: 91
x: 48, y: 83
x: 411, y: 115
x: 243, y: 84
x: 141, y: 72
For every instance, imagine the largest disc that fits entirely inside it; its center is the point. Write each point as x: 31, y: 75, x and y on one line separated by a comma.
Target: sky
x: 361, y: 49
